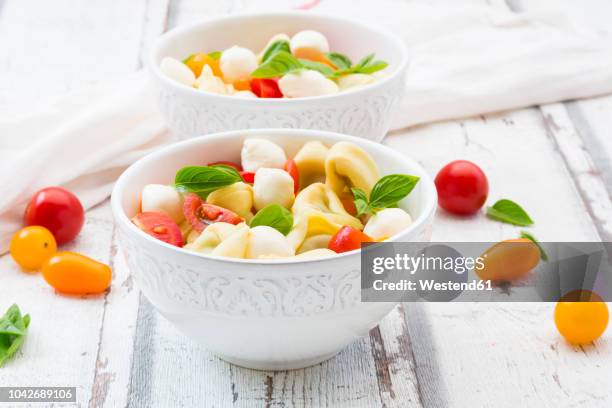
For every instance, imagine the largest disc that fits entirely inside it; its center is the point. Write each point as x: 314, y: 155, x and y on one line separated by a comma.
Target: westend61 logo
x: 485, y: 272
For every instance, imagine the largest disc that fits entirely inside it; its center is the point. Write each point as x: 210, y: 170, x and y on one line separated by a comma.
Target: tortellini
x: 348, y: 165
x: 314, y: 242
x: 318, y: 210
x: 266, y: 242
x: 272, y: 186
x: 222, y: 239
x: 316, y: 253
x: 310, y: 161
x: 237, y: 197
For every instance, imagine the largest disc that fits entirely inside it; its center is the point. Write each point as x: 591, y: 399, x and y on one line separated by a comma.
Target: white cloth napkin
x: 465, y: 61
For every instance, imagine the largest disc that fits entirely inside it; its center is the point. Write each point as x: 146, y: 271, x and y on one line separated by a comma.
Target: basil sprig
x: 543, y: 254
x: 317, y: 66
x: 203, y: 180
x: 276, y: 46
x: 508, y: 211
x: 275, y: 216
x: 13, y: 328
x: 367, y: 65
x: 339, y: 60
x: 386, y: 193
x: 281, y: 63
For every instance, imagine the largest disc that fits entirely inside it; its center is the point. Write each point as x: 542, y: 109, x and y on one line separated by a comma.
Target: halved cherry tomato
x: 347, y: 239
x: 349, y: 206
x: 197, y: 61
x: 248, y: 176
x: 32, y: 246
x: 58, y: 210
x: 76, y: 274
x: 201, y: 214
x: 160, y: 226
x: 266, y: 87
x: 292, y: 169
x: 227, y: 163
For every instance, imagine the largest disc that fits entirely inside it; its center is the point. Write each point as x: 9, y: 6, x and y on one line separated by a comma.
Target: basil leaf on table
x: 13, y: 328
x: 203, y: 180
x: 543, y: 254
x: 275, y: 216
x: 317, y: 66
x: 339, y: 60
x: 279, y: 64
x: 361, y: 201
x: 276, y: 46
x: 508, y: 211
x: 391, y: 189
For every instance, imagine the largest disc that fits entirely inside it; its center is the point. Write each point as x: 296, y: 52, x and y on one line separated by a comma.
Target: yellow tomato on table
x: 581, y: 322
x: 32, y: 246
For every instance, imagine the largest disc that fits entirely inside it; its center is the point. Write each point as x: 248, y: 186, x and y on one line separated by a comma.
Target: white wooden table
x: 554, y: 159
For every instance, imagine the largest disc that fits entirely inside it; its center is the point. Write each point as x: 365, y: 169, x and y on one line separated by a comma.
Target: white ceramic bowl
x: 364, y: 112
x: 263, y: 314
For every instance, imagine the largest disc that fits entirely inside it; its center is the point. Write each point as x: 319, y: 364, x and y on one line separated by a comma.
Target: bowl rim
x: 308, y: 134
x: 169, y: 35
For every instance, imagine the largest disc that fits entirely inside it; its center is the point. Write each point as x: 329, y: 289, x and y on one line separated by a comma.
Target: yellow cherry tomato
x: 581, y: 322
x: 32, y: 246
x: 76, y: 274
x: 197, y: 61
x: 509, y: 260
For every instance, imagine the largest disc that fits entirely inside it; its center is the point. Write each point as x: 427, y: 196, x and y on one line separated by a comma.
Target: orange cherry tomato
x: 76, y: 274
x: 349, y: 205
x: 32, y: 246
x: 315, y: 55
x: 197, y: 61
x: 227, y: 163
x: 292, y: 169
x: 509, y: 260
x: 242, y: 85
x: 347, y: 239
x: 581, y: 322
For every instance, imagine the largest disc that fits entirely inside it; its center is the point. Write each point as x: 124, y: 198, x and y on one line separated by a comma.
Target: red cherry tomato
x: 462, y: 187
x: 58, y: 210
x: 347, y: 239
x: 227, y: 163
x: 292, y: 169
x: 160, y: 226
x: 201, y: 214
x: 248, y: 177
x: 266, y: 87
x: 349, y: 206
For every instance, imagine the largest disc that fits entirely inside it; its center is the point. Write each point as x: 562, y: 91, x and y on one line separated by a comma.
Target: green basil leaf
x: 317, y: 66
x: 203, y: 180
x: 13, y: 328
x: 361, y: 201
x: 279, y: 64
x: 543, y: 254
x: 391, y: 189
x: 509, y: 212
x: 372, y: 67
x: 215, y: 54
x: 364, y: 61
x: 275, y: 216
x: 276, y: 46
x: 339, y: 60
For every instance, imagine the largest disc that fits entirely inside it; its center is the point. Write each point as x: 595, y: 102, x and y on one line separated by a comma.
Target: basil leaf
x: 509, y: 212
x: 361, y: 201
x: 275, y: 216
x: 391, y: 189
x: 215, y: 54
x: 364, y: 61
x: 373, y: 67
x: 203, y: 180
x: 276, y: 46
x: 317, y: 66
x: 279, y: 64
x: 339, y: 60
x: 13, y: 328
x: 543, y: 254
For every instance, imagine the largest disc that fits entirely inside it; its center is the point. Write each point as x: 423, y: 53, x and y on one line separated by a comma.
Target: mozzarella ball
x: 210, y: 83
x: 237, y: 63
x: 309, y: 40
x: 164, y: 199
x: 178, y: 71
x: 245, y: 94
x: 306, y: 83
x: 354, y: 81
x: 266, y: 242
x: 386, y: 223
x: 257, y: 153
x: 272, y: 186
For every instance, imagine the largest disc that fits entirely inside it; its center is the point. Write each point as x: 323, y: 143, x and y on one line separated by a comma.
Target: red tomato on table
x: 462, y: 187
x: 58, y: 210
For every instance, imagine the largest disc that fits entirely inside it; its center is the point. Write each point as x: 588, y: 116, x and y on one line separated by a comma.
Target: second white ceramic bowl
x: 365, y: 112
x: 264, y: 314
